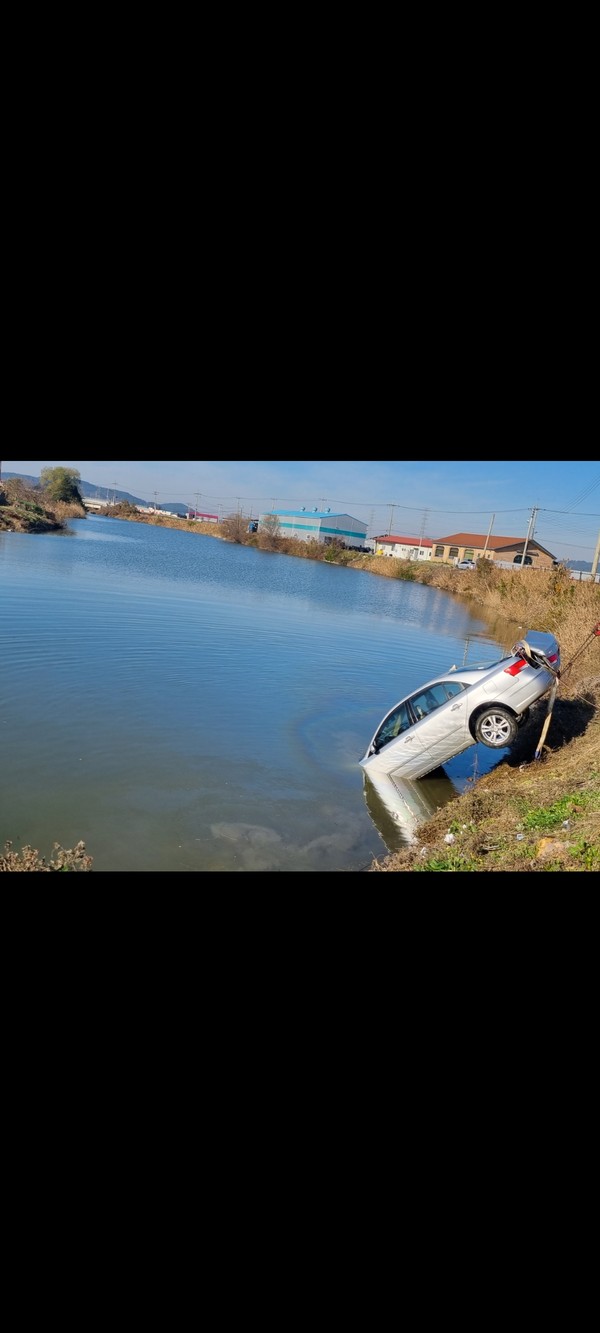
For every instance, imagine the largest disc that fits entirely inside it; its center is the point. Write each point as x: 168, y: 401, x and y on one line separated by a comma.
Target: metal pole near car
x: 489, y: 533
x: 594, y: 561
x: 529, y: 536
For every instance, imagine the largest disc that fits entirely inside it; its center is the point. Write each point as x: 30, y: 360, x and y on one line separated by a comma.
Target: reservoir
x: 180, y: 703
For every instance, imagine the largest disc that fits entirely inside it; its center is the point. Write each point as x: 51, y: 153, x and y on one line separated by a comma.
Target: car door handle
x: 409, y: 740
x: 454, y: 707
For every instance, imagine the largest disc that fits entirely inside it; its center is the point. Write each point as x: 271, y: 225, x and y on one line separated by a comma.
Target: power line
x: 583, y: 494
x: 385, y: 504
x: 566, y: 512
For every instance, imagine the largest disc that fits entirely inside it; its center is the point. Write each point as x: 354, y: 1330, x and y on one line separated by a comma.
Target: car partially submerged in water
x: 460, y: 708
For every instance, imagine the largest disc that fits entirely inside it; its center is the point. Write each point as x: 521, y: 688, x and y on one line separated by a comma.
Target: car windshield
x: 398, y: 721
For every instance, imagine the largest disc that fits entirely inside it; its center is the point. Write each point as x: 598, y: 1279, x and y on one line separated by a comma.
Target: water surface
x: 180, y: 703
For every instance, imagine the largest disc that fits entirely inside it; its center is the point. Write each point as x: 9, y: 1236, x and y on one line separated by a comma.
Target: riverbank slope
x: 26, y: 508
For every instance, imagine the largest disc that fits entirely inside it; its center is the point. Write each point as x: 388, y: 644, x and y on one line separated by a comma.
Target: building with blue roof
x: 318, y: 525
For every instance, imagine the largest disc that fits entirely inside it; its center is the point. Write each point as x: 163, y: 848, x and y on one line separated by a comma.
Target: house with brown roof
x: 403, y: 548
x: 503, y: 551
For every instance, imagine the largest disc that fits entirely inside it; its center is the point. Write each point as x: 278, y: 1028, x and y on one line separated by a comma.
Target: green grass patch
x: 588, y: 853
x: 544, y: 817
x: 454, y: 861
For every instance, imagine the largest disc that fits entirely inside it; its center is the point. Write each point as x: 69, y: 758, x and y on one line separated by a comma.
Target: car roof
x: 468, y: 675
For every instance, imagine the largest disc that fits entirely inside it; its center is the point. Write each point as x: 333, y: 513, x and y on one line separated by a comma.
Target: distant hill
x: 95, y: 492
x: 584, y: 565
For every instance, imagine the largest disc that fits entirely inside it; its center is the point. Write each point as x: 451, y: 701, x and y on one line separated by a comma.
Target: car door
x: 397, y: 746
x: 442, y: 723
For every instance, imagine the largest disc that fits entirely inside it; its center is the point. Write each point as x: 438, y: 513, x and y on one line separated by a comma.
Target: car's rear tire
x: 496, y: 727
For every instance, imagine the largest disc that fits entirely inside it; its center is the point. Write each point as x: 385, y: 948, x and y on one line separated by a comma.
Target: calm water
x: 183, y: 704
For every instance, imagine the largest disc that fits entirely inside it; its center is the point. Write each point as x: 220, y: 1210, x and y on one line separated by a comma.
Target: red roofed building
x: 404, y: 548
x: 502, y: 550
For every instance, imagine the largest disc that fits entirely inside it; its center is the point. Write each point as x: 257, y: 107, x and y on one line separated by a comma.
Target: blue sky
x: 433, y: 497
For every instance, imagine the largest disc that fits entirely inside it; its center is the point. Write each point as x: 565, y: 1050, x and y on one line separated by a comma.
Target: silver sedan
x: 460, y: 708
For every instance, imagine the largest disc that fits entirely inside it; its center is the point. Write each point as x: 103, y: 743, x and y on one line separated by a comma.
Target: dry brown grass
x: 28, y: 858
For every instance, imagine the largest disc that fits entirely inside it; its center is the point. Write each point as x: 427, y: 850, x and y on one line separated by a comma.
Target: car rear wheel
x: 496, y: 727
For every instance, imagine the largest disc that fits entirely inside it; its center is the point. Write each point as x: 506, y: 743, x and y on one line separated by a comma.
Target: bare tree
x: 235, y: 528
x: 269, y: 532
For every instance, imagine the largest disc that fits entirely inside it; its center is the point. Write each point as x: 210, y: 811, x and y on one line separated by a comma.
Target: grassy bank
x: 26, y: 508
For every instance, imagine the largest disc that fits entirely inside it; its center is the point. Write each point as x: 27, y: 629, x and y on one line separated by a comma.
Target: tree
x: 61, y: 484
x: 235, y: 528
x: 269, y: 532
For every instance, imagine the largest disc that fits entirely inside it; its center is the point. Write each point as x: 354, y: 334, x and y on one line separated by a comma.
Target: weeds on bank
x: 545, y: 817
x: 512, y: 840
x: 587, y: 852
x: 64, y: 859
x: 453, y: 861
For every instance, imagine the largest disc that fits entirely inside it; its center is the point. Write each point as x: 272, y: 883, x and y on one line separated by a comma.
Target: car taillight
x: 516, y: 668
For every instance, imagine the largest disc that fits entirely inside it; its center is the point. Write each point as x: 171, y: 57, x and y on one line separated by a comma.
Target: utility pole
x: 114, y: 499
x: 422, y: 533
x: 489, y: 533
x: 155, y: 494
x: 595, y: 560
x: 273, y: 502
x: 322, y: 500
x: 198, y: 494
x: 392, y: 508
x: 529, y: 536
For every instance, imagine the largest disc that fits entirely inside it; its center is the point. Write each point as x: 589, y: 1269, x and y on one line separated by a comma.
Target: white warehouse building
x: 318, y: 525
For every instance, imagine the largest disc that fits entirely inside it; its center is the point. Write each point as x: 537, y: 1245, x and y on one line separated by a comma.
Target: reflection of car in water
x: 398, y: 808
x: 461, y: 708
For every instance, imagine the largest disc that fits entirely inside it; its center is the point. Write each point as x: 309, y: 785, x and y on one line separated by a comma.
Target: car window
x: 453, y: 687
x: 434, y: 696
x: 397, y: 722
